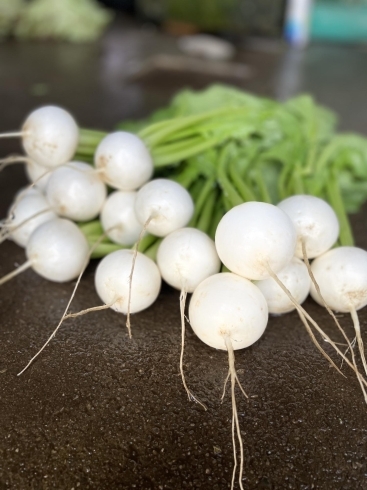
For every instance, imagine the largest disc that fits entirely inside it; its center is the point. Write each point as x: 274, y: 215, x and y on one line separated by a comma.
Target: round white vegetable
x: 38, y: 174
x: 50, y: 136
x: 29, y: 211
x: 27, y: 191
x: 167, y: 204
x: 253, y: 236
x: 124, y: 161
x: 186, y: 257
x: 315, y: 222
x: 57, y: 250
x: 341, y: 274
x: 113, y: 277
x: 118, y: 210
x: 76, y: 191
x: 227, y: 305
x: 296, y: 279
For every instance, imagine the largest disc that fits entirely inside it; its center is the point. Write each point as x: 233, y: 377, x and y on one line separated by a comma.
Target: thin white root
x: 4, y: 162
x: 136, y: 247
x: 317, y: 287
x: 90, y: 310
x: 232, y: 369
x: 241, y: 387
x: 14, y: 134
x: 15, y: 272
x: 225, y: 385
x: 331, y: 313
x: 316, y: 326
x: 7, y: 229
x: 190, y: 395
x: 357, y: 328
x: 234, y: 451
x: 65, y: 315
x: 314, y: 340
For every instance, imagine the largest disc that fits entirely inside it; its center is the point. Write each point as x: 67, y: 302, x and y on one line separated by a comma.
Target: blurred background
x: 119, y: 46
x: 297, y: 21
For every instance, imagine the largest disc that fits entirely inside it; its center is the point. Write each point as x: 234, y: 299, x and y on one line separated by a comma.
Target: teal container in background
x: 339, y: 21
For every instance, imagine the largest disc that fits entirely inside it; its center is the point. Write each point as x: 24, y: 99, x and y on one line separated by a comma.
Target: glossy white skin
x: 118, y: 209
x: 28, y: 205
x: 51, y: 136
x: 58, y: 250
x: 112, y: 281
x: 296, y: 279
x: 168, y: 202
x: 315, y: 221
x: 341, y: 274
x: 186, y: 257
x: 76, y: 191
x: 252, y: 235
x: 39, y: 174
x: 27, y: 191
x: 228, y: 305
x: 125, y: 160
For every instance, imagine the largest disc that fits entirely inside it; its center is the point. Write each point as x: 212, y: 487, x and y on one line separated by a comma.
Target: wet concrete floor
x: 98, y: 411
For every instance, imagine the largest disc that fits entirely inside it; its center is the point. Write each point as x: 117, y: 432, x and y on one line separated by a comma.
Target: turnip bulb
x: 315, y: 221
x: 75, y: 191
x: 227, y: 305
x: 253, y: 237
x: 296, y: 279
x: 163, y: 206
x: 124, y: 161
x: 50, y: 136
x: 118, y: 218
x: 29, y: 211
x: 112, y: 281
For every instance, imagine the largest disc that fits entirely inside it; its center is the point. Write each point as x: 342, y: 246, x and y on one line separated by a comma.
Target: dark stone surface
x: 98, y: 411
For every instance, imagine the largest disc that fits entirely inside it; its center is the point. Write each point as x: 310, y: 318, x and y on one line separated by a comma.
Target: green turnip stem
x: 146, y: 242
x: 91, y: 228
x: 152, y: 136
x: 282, y: 182
x: 218, y: 214
x: 104, y: 249
x: 90, y: 137
x: 336, y: 201
x: 196, y: 188
x: 15, y: 272
x: 189, y: 151
x: 151, y: 251
x: 178, y: 146
x: 205, y: 217
x: 263, y: 191
x: 298, y: 186
x: 244, y: 191
x: 206, y: 191
x: 187, y: 176
x: 229, y: 191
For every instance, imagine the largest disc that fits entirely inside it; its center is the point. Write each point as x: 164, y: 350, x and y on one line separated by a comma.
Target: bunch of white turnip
x: 149, y: 229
